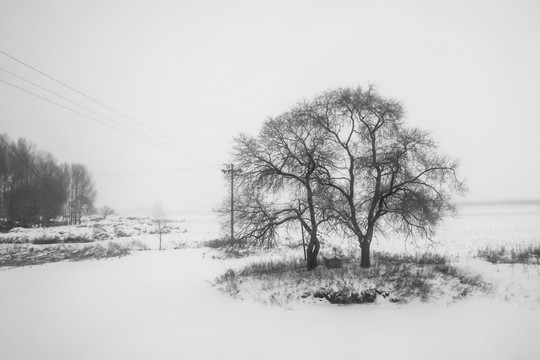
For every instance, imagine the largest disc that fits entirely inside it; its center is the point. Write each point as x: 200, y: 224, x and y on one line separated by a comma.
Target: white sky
x: 204, y: 71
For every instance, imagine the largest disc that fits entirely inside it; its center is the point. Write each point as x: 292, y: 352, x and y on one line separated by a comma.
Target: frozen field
x: 161, y: 305
x: 479, y: 226
x: 475, y: 227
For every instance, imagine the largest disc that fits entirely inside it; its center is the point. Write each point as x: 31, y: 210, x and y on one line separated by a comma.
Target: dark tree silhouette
x: 33, y: 186
x: 345, y: 158
x: 385, y: 175
x: 278, y: 185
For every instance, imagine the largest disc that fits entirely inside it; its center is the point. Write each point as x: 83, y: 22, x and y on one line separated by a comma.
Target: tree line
x: 343, y: 163
x: 35, y: 189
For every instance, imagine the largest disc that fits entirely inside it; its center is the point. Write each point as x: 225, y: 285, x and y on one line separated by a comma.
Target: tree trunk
x: 365, y: 260
x: 313, y: 252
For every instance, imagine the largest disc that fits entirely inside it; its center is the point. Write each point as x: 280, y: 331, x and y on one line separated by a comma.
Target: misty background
x: 194, y: 74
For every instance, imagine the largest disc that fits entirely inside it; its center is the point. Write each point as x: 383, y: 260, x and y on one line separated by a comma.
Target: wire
x: 107, y: 124
x: 147, y: 171
x: 110, y: 108
x: 94, y: 112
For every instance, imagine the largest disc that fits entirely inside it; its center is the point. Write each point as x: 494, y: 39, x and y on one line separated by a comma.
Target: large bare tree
x: 278, y: 185
x: 385, y: 175
x: 345, y: 157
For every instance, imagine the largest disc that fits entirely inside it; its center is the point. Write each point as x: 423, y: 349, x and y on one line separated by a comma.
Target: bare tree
x: 278, y: 183
x: 385, y: 175
x: 159, y: 216
x: 105, y: 211
x: 51, y: 186
x: 345, y: 157
x: 33, y: 187
x: 82, y: 192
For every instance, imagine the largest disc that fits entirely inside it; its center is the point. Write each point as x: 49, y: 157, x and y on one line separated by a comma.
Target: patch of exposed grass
x: 526, y: 254
x: 272, y: 266
x: 223, y: 242
x: 397, y: 278
x: 44, y: 238
x: 14, y: 256
x: 232, y: 248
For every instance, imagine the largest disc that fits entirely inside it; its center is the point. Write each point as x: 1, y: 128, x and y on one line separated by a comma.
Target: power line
x: 96, y: 113
x: 148, y: 171
x: 108, y: 107
x: 106, y: 124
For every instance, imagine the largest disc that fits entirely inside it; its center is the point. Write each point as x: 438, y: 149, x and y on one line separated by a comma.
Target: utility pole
x: 231, y: 170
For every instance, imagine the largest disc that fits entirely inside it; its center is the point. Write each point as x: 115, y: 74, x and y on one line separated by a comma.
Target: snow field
x: 113, y: 227
x: 160, y: 305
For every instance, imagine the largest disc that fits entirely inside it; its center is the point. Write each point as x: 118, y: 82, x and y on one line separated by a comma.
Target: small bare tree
x: 105, y: 211
x: 159, y: 217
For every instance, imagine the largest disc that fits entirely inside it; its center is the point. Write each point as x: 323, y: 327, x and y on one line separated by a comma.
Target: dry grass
x: 18, y: 255
x: 525, y: 254
x: 396, y: 278
x: 225, y: 248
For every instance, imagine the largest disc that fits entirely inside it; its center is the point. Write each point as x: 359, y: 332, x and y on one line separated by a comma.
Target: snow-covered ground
x: 162, y: 305
x: 90, y: 230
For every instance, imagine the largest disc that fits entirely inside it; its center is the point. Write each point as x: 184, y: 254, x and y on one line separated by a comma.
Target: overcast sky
x: 201, y: 72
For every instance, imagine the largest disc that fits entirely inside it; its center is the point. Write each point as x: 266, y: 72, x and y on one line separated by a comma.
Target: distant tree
x: 159, y: 217
x: 52, y: 188
x: 90, y: 211
x: 34, y: 188
x: 23, y: 185
x: 105, y: 211
x: 82, y: 192
x: 5, y: 175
